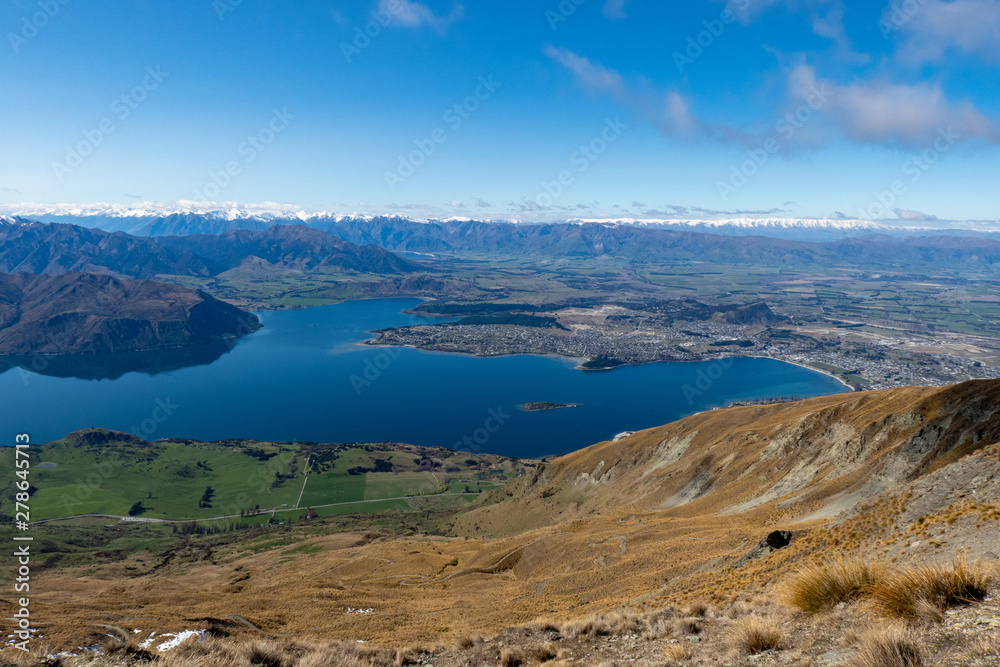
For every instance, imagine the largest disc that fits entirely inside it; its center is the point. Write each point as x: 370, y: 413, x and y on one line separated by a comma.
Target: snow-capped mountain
x: 185, y: 218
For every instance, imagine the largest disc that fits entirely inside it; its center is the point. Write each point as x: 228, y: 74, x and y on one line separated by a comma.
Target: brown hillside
x: 813, y: 458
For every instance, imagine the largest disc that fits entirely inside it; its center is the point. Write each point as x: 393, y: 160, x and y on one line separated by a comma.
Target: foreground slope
x: 673, y: 515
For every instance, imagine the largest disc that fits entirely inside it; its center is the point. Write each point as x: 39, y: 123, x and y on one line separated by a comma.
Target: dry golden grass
x: 755, y: 634
x: 913, y: 592
x: 986, y: 646
x: 894, y: 646
x: 816, y: 588
x: 679, y: 652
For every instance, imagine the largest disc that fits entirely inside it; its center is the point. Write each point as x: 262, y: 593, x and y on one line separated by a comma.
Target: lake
x: 304, y: 377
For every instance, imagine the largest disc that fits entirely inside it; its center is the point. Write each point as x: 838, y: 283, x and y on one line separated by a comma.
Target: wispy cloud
x: 907, y: 214
x: 826, y: 16
x: 412, y: 14
x: 669, y: 111
x: 936, y: 28
x: 592, y: 76
x: 881, y: 111
x: 615, y: 10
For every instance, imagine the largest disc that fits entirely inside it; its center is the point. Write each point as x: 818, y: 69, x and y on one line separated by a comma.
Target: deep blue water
x: 303, y: 377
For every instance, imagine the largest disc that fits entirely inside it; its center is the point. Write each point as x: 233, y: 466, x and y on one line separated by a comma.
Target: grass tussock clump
x: 894, y: 646
x: 677, y: 653
x: 753, y: 635
x: 511, y: 658
x: 816, y: 587
x: 916, y: 592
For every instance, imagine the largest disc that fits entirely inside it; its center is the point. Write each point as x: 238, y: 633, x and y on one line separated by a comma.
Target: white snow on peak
x: 271, y: 212
x: 747, y: 223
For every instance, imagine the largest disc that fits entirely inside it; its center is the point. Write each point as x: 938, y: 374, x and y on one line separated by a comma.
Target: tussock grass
x: 541, y: 654
x: 914, y: 592
x: 511, y: 658
x: 680, y: 652
x: 697, y: 609
x: 894, y: 646
x: 816, y: 588
x: 755, y: 634
x: 687, y: 626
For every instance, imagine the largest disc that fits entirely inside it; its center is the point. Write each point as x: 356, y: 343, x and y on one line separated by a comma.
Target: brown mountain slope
x: 88, y: 313
x: 812, y: 458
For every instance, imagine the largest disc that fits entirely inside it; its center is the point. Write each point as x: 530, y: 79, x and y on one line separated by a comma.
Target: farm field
x: 105, y: 472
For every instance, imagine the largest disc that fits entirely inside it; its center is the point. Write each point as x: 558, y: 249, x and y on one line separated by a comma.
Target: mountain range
x: 52, y: 248
x: 191, y: 218
x: 369, y: 247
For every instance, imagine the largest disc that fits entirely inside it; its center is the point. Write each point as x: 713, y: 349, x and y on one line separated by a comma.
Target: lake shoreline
x: 580, y: 361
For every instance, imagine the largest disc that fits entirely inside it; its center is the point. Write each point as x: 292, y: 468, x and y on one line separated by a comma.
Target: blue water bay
x: 305, y: 377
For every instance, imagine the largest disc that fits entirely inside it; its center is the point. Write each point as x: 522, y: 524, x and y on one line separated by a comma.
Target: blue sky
x: 538, y: 110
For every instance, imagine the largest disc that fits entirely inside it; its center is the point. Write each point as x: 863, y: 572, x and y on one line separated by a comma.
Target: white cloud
x: 747, y: 10
x: 594, y: 77
x: 826, y: 16
x: 907, y: 214
x: 615, y: 10
x: 935, y: 28
x: 412, y: 14
x: 885, y: 112
x: 669, y: 112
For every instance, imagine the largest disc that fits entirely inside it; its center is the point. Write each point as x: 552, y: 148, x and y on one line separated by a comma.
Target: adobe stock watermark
x: 163, y: 409
x: 784, y: 130
x: 474, y: 442
x: 380, y: 18
x: 562, y: 12
x: 898, y: 15
x: 121, y: 109
x: 248, y: 151
x: 704, y: 40
x: 581, y: 160
x: 913, y: 169
x: 706, y: 377
x: 33, y: 24
x: 453, y: 118
x: 373, y: 368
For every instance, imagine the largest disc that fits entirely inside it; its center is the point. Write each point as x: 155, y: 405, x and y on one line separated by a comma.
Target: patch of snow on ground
x: 179, y: 638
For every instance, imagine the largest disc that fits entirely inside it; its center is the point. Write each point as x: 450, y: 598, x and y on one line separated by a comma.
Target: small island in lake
x: 546, y: 405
